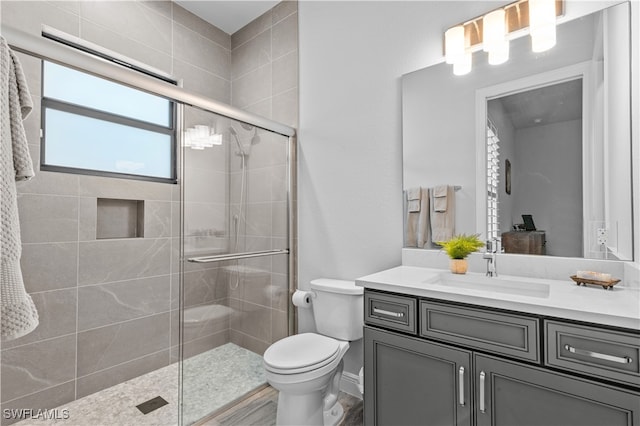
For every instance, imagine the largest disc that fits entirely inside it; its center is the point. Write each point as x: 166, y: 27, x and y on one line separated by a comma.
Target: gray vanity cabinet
x: 410, y: 381
x: 510, y: 393
x: 429, y: 362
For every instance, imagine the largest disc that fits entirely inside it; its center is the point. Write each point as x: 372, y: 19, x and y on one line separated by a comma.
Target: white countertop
x: 618, y: 307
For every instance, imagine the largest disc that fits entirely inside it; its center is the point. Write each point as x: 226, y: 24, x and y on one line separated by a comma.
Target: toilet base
x: 333, y: 416
x: 298, y: 410
x: 306, y: 412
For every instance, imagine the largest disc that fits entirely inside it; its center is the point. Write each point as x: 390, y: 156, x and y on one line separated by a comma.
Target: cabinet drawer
x: 386, y: 310
x: 498, y: 333
x: 598, y: 352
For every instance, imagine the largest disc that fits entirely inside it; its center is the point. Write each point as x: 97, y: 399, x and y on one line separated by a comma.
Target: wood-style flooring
x: 260, y: 410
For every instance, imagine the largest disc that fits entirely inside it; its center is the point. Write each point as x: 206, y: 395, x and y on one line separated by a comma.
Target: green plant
x: 460, y: 246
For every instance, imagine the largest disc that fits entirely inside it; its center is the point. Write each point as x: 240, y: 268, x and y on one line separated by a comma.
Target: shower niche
x: 116, y: 218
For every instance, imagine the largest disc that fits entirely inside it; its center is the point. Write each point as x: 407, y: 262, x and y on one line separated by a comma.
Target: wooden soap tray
x: 607, y: 285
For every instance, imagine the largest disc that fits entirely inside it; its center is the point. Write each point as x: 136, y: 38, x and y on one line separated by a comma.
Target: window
x: 95, y: 126
x: 493, y: 166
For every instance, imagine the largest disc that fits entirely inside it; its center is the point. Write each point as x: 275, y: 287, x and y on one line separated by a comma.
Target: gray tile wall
x: 108, y: 308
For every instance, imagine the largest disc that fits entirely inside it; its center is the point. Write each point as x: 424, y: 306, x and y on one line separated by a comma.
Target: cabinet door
x: 414, y: 382
x: 513, y: 394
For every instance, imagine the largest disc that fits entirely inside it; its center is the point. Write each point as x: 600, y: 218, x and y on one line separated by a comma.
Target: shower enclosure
x: 223, y: 241
x: 235, y: 256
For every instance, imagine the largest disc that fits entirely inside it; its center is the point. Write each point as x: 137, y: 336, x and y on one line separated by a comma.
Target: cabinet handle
x: 612, y: 358
x: 461, y: 385
x: 482, y: 407
x: 388, y: 313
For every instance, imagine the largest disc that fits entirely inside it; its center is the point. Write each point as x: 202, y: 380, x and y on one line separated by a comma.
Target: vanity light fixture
x: 201, y: 136
x: 493, y: 31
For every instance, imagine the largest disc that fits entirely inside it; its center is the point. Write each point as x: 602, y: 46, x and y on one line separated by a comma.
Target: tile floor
x: 203, y: 392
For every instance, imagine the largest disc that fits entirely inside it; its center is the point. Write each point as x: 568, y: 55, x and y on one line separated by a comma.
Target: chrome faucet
x: 491, y: 257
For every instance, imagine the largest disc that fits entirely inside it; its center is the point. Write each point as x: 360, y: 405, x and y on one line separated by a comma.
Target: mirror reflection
x: 560, y: 123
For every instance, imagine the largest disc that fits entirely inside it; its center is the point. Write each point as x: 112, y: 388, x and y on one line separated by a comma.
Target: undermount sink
x: 507, y: 285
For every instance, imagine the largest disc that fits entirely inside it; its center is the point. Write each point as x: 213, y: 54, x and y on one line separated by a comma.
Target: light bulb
x: 463, y: 66
x: 542, y: 24
x: 494, y: 32
x: 454, y: 44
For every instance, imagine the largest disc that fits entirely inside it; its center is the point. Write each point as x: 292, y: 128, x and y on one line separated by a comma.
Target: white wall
x: 352, y: 55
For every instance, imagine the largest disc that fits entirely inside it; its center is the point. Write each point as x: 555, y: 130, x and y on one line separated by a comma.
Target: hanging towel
x: 424, y: 228
x: 443, y: 222
x: 18, y: 314
x: 417, y: 228
x: 440, y: 198
x: 411, y: 224
x: 413, y: 200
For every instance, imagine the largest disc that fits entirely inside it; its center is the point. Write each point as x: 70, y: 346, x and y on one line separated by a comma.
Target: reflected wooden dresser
x: 524, y: 242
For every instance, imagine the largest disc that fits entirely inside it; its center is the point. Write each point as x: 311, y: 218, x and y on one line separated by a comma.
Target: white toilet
x: 306, y: 368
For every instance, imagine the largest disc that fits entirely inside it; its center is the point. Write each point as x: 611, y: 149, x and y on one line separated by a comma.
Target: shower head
x: 255, y: 138
x: 235, y: 136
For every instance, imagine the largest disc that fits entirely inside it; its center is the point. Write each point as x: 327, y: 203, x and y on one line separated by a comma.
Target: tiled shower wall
x: 264, y: 80
x: 108, y: 308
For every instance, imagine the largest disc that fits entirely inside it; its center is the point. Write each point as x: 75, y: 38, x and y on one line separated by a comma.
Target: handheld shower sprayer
x: 233, y: 133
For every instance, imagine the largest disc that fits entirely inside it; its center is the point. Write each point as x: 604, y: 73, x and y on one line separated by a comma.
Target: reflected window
x: 493, y: 167
x: 95, y: 126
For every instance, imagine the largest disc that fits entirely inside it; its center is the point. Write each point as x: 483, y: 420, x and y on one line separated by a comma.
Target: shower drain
x: 152, y: 404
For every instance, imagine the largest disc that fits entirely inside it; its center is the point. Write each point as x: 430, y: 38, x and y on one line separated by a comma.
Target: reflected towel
x: 440, y: 198
x: 424, y: 228
x: 18, y: 314
x: 417, y: 225
x: 413, y: 200
x: 443, y: 222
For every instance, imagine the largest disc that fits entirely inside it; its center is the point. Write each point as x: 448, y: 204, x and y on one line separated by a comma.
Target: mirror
x: 562, y: 120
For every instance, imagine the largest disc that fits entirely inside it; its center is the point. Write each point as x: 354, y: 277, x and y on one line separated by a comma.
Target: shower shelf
x: 235, y: 256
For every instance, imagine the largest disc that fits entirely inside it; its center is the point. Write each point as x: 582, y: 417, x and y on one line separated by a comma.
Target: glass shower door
x: 235, y: 258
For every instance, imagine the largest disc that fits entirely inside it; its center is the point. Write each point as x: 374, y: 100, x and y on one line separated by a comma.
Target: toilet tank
x: 338, y: 308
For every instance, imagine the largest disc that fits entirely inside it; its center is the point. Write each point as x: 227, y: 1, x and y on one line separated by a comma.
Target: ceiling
x: 229, y: 16
x: 545, y: 105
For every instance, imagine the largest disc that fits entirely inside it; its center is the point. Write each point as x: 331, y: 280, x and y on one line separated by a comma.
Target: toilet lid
x: 301, y: 350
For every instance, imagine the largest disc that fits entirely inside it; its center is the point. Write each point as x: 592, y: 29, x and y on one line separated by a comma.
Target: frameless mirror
x: 561, y: 123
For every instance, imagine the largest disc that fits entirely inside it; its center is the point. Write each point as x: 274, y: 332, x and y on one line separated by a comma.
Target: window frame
x: 84, y: 111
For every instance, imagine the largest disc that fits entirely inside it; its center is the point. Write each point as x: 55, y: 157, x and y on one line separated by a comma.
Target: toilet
x: 306, y: 368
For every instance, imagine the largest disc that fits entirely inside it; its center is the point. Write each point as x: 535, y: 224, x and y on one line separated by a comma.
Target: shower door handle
x: 236, y: 256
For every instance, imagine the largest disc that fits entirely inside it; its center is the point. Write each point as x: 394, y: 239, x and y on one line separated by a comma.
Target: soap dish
x: 605, y: 284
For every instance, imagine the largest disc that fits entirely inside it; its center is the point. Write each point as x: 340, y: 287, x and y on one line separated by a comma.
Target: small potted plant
x: 458, y: 248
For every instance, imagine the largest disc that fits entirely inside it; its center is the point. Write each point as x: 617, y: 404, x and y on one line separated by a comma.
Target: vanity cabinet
x: 467, y: 365
x: 510, y: 393
x: 410, y: 381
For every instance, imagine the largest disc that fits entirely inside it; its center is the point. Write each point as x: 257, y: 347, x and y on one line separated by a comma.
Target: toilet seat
x: 301, y: 353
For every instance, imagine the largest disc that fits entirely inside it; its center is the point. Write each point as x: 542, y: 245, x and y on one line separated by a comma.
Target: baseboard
x: 349, y: 384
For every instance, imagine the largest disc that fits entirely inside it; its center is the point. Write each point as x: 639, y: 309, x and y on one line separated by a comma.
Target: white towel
x: 424, y: 230
x: 440, y: 198
x: 18, y: 314
x: 443, y: 223
x: 417, y: 229
x: 413, y: 200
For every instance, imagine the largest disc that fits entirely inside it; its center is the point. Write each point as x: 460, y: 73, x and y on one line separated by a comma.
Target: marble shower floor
x: 211, y: 380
